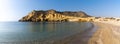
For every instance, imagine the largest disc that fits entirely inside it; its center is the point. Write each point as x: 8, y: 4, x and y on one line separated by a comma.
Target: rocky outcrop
x: 51, y: 15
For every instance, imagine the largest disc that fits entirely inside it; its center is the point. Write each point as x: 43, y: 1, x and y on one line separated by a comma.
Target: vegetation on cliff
x: 51, y: 15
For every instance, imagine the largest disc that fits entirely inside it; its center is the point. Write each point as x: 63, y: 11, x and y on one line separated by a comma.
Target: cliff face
x: 51, y: 15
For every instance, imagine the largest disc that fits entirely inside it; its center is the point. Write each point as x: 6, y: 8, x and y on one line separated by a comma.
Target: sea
x: 39, y: 32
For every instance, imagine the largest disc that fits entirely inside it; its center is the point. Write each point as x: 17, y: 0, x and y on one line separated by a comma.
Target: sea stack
x: 51, y: 15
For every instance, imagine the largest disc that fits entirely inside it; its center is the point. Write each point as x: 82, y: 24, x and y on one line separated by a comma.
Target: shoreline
x: 79, y: 38
x: 101, y: 33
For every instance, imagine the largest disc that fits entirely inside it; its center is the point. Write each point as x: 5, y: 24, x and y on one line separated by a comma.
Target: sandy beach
x: 100, y: 33
x: 107, y: 33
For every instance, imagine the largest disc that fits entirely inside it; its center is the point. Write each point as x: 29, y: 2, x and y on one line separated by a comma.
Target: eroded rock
x: 51, y: 15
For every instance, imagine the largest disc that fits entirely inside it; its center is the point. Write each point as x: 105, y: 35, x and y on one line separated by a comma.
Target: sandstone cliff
x: 51, y: 15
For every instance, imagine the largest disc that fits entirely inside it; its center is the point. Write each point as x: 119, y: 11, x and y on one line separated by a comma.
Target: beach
x: 102, y: 32
x: 107, y: 33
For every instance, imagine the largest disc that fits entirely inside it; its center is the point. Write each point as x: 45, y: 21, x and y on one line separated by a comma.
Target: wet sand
x: 106, y: 34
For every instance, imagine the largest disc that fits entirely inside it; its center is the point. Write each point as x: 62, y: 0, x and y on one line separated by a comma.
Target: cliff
x: 51, y: 15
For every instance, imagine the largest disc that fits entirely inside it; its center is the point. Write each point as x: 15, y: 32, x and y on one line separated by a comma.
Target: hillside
x: 51, y: 15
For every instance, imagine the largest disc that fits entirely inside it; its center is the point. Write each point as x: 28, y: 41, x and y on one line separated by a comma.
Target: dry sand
x: 107, y: 33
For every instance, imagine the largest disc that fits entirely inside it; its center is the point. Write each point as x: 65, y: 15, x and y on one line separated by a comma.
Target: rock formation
x: 51, y: 15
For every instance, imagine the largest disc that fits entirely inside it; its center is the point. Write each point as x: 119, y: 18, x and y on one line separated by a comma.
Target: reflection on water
x: 42, y: 27
x: 39, y: 31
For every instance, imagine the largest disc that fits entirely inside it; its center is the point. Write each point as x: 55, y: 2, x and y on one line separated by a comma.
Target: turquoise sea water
x: 11, y: 32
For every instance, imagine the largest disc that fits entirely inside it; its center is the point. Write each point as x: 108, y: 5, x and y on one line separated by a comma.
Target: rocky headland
x: 53, y: 15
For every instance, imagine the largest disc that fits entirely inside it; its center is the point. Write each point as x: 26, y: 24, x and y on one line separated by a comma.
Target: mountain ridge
x: 52, y: 15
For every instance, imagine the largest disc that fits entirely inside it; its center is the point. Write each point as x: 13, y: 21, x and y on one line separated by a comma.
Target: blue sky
x: 13, y: 10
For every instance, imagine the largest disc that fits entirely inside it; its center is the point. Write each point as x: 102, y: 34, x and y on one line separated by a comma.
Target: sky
x: 13, y: 10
